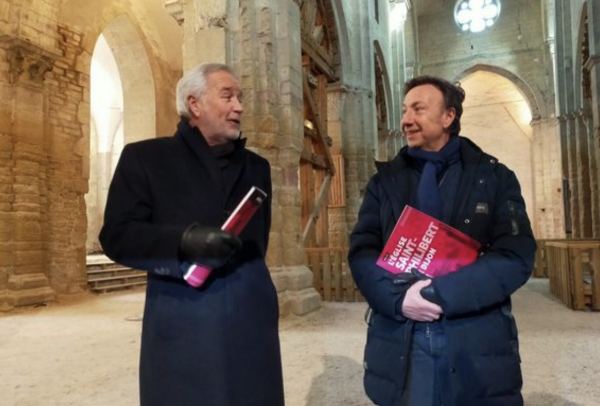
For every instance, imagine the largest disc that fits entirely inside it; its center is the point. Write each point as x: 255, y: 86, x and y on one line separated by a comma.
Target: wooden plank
x: 337, y: 191
x: 319, y: 126
x: 576, y: 278
x: 595, y: 273
x: 315, y: 265
x: 337, y: 276
x: 326, y: 276
x: 321, y: 218
x: 317, y: 160
x: 321, y: 59
x: 310, y: 221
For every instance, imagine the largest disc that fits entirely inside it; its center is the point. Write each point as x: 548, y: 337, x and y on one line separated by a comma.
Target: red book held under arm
x: 197, y: 274
x: 423, y: 242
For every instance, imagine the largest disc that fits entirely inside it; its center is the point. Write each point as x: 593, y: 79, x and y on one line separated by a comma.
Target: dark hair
x: 454, y: 95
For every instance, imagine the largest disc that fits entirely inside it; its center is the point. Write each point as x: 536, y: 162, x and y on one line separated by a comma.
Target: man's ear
x: 193, y: 105
x: 449, y: 116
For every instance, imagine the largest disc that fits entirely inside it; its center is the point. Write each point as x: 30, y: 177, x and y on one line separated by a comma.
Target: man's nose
x: 406, y: 119
x: 238, y: 107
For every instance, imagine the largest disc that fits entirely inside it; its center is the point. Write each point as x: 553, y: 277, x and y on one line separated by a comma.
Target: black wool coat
x: 217, y: 345
x: 480, y: 328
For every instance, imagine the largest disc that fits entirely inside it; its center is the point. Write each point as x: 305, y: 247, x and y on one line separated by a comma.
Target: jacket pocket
x: 385, y: 360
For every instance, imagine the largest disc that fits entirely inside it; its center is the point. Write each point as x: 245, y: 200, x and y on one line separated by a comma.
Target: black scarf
x: 433, y: 165
x: 223, y: 153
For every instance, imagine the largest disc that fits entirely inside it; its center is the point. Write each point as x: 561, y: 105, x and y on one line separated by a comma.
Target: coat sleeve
x: 381, y: 289
x: 504, y: 266
x: 128, y: 235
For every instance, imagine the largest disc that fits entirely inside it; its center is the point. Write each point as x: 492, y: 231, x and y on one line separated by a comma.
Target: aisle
x: 85, y: 353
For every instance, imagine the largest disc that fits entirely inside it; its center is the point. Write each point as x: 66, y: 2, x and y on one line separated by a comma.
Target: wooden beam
x: 322, y: 137
x: 319, y: 57
x: 321, y: 199
x: 317, y: 160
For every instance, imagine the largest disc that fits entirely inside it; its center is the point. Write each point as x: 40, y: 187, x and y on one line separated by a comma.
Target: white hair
x: 193, y: 83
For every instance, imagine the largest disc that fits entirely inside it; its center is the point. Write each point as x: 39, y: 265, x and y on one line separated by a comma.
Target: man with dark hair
x: 451, y: 340
x: 217, y: 344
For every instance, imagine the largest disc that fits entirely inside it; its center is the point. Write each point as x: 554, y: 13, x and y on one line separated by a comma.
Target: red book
x: 197, y: 274
x: 423, y: 242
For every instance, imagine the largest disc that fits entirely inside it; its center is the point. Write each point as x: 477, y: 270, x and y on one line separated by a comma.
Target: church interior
x: 322, y: 83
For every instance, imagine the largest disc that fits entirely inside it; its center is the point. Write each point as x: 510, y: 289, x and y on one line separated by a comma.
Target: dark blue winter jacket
x: 480, y: 328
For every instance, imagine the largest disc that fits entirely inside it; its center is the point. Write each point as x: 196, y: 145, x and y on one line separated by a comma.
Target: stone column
x: 565, y: 105
x: 548, y: 214
x: 572, y: 173
x: 593, y: 66
x: 24, y: 274
x: 359, y: 125
x: 583, y: 175
x: 261, y: 40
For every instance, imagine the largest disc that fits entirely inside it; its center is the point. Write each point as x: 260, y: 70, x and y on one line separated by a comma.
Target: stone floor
x: 85, y: 353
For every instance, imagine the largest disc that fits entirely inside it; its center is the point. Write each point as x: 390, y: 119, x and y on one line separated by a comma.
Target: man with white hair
x: 217, y: 344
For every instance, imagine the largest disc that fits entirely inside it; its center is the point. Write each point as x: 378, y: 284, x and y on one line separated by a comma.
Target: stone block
x: 304, y: 302
x: 26, y: 230
x: 27, y: 258
x: 23, y: 282
x: 284, y: 304
x: 279, y: 277
x: 6, y: 303
x: 298, y: 278
x: 32, y: 296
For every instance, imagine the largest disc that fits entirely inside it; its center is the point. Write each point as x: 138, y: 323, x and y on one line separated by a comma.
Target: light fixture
x: 476, y: 15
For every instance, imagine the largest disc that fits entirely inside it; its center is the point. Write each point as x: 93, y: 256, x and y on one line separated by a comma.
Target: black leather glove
x: 209, y: 246
x: 430, y: 294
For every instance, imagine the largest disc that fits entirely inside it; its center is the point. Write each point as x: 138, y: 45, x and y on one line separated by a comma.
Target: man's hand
x: 208, y: 246
x: 415, y: 307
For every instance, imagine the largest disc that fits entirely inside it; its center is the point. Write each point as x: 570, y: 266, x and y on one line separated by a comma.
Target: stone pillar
x: 360, y: 128
x: 593, y: 66
x: 270, y: 66
x: 565, y: 105
x: 548, y: 197
x: 583, y: 175
x: 24, y: 274
x: 261, y: 40
x: 588, y: 122
x: 572, y: 170
x: 589, y: 168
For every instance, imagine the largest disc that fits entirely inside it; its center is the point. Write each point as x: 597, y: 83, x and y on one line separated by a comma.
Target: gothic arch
x: 582, y: 89
x: 383, y: 91
x: 128, y: 21
x: 139, y: 99
x: 530, y: 95
x: 137, y: 52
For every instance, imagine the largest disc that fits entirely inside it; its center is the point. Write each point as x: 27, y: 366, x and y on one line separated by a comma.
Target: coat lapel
x: 397, y: 187
x: 235, y: 168
x: 196, y: 142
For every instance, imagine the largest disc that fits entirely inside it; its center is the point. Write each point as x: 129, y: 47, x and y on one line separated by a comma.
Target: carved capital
x: 25, y: 64
x: 175, y: 9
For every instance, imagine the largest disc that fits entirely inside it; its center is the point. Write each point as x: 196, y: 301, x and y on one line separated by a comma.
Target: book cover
x: 235, y: 223
x: 428, y: 244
